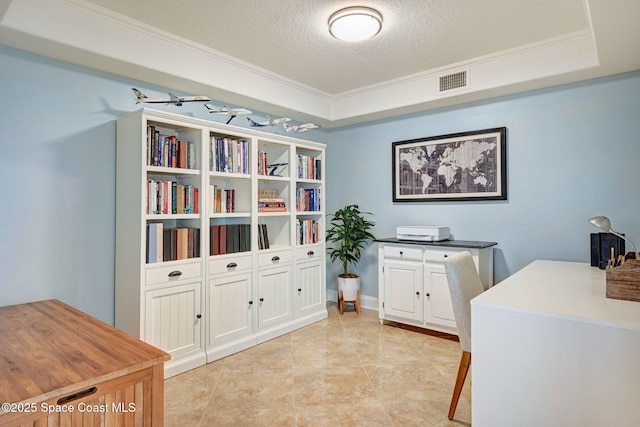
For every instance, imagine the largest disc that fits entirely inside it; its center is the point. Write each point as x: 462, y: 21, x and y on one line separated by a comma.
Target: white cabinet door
x: 437, y: 302
x: 308, y: 287
x: 403, y: 297
x: 173, y: 319
x: 274, y: 296
x: 230, y: 308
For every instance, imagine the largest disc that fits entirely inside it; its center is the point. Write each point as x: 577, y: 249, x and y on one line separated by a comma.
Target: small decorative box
x: 624, y: 282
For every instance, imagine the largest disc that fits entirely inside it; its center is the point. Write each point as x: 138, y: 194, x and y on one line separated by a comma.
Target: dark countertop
x: 443, y: 243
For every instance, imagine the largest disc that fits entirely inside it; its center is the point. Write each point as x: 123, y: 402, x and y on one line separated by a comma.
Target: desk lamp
x: 603, y: 223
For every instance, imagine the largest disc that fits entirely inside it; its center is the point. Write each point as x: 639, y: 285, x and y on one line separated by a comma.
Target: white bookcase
x: 200, y: 281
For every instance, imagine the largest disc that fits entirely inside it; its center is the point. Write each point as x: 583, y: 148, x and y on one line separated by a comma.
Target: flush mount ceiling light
x: 355, y: 23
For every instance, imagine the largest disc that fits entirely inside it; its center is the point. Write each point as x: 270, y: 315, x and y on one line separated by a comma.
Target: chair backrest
x: 464, y: 285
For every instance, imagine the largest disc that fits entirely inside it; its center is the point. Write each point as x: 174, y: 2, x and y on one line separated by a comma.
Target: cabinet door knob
x: 250, y: 302
x: 418, y: 293
x: 446, y: 256
x: 261, y: 299
x: 427, y: 295
x: 310, y: 253
x: 199, y: 316
x: 232, y: 265
x: 275, y: 258
x: 401, y: 252
x: 175, y: 273
x: 299, y: 289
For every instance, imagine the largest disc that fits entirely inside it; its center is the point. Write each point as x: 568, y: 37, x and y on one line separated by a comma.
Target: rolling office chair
x: 464, y: 285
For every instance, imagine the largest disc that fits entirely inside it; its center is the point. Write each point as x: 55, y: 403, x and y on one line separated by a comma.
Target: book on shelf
x: 268, y: 204
x: 308, y: 199
x: 169, y: 244
x: 229, y: 238
x: 308, y: 167
x: 262, y: 163
x: 229, y: 155
x: 179, y: 243
x: 169, y: 197
x: 308, y: 231
x: 269, y: 200
x: 223, y: 200
x: 168, y: 151
x: 155, y: 243
x: 263, y: 237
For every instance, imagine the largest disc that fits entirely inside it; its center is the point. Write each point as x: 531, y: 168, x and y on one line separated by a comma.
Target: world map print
x: 463, y: 167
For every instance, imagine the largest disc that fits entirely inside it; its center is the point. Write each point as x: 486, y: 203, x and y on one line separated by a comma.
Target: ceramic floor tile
x: 346, y: 370
x: 343, y: 414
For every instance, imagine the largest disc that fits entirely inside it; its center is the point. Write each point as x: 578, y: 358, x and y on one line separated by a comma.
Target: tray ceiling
x: 278, y: 57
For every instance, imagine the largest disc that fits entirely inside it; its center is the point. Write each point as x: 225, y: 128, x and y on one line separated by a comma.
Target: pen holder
x: 624, y: 282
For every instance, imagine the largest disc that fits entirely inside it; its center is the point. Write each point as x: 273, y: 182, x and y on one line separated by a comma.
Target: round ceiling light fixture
x: 355, y: 23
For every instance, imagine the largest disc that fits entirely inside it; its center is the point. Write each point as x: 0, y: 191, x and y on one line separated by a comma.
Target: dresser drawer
x: 274, y: 258
x: 309, y: 253
x: 440, y: 254
x: 402, y: 252
x: 173, y: 273
x: 229, y: 263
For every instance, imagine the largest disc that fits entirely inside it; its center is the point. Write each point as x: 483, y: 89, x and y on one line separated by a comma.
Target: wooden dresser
x: 59, y: 366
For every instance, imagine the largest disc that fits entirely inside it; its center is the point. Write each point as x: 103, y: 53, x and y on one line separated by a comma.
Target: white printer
x: 423, y: 233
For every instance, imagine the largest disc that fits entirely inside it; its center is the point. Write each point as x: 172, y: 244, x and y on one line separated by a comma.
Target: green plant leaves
x: 349, y: 230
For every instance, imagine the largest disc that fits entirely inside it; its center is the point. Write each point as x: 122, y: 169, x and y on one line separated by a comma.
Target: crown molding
x: 89, y: 35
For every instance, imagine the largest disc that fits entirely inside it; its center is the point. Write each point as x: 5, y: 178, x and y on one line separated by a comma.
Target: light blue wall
x: 573, y: 153
x: 57, y: 178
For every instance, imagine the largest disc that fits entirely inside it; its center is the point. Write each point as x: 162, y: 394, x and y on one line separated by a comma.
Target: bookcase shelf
x: 172, y: 171
x: 151, y: 217
x: 244, y: 281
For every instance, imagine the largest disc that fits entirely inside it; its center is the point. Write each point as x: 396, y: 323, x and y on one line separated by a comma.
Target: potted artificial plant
x: 349, y: 231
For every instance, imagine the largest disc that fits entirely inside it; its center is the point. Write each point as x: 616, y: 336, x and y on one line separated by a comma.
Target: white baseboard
x: 370, y: 303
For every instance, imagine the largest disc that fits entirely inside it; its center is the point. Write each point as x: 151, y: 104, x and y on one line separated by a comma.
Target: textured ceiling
x: 277, y: 57
x: 290, y: 37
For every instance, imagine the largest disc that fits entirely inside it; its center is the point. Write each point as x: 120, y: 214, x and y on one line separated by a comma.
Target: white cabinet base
x: 412, y: 283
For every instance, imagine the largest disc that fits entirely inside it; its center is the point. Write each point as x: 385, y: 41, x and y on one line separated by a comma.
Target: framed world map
x: 460, y: 166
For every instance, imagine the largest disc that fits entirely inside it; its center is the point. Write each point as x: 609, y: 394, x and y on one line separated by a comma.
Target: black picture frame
x: 463, y: 166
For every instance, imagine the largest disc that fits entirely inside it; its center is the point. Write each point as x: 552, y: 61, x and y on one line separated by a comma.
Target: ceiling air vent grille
x: 453, y: 81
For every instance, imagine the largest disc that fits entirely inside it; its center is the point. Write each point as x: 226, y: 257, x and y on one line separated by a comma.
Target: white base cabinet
x: 174, y: 324
x: 216, y: 251
x: 309, y: 289
x: 412, y: 283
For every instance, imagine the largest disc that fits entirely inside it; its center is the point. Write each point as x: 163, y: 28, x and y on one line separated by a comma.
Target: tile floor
x: 343, y: 371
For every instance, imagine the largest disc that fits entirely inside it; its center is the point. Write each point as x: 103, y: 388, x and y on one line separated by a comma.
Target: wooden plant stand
x: 342, y: 302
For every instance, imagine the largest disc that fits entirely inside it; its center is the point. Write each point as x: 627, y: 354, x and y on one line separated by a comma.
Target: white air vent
x: 453, y: 81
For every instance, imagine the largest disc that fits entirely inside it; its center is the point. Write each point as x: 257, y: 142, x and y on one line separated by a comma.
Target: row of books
x: 223, y: 200
x: 262, y: 163
x: 307, y: 199
x: 170, y: 244
x: 229, y: 155
x: 168, y: 151
x: 308, y: 231
x: 263, y: 237
x: 230, y: 238
x: 308, y: 167
x: 170, y: 197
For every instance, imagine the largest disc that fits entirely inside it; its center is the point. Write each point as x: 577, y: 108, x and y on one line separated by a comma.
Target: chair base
x: 342, y: 302
x: 465, y: 361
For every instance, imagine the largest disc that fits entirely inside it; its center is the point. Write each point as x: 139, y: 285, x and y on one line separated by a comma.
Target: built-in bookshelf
x: 209, y: 220
x: 309, y: 192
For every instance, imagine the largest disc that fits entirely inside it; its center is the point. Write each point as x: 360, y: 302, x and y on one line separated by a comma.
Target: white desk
x: 549, y: 349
